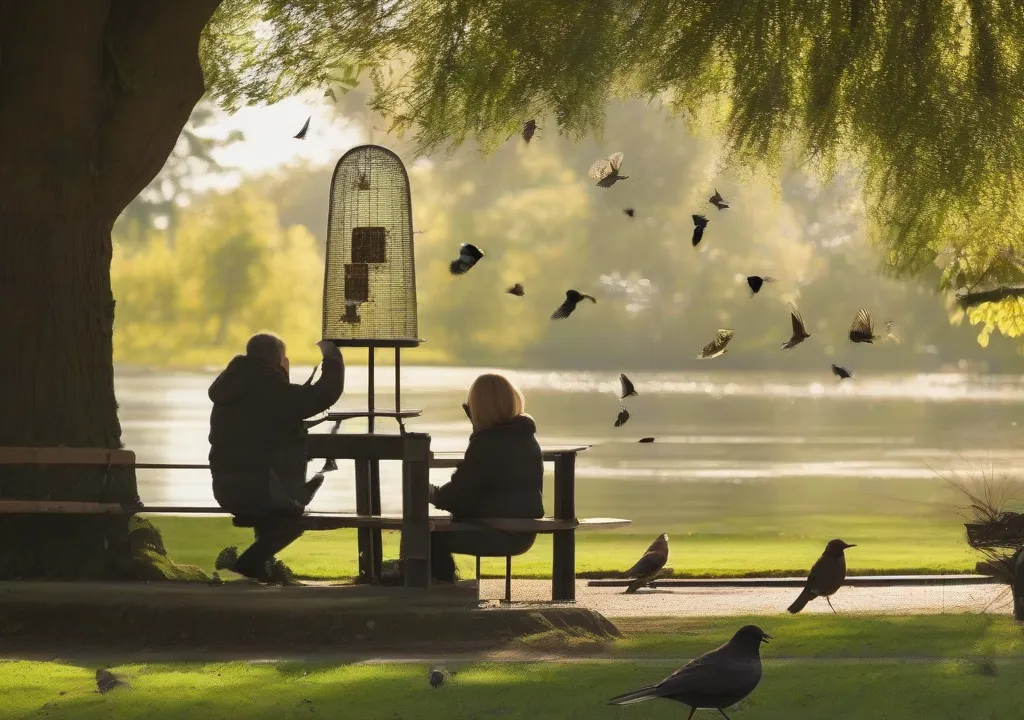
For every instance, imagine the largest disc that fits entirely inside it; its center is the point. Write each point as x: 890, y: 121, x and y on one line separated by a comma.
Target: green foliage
x: 232, y: 272
x: 925, y: 99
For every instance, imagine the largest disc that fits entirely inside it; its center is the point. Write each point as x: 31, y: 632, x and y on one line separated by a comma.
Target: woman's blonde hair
x: 493, y: 401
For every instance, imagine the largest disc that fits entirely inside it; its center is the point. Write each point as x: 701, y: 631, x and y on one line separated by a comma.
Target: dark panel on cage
x: 368, y: 245
x: 357, y: 283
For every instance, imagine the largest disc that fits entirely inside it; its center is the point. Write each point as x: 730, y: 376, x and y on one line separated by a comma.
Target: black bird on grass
x: 107, y: 681
x: 529, y: 128
x: 646, y: 440
x: 756, y: 281
x: 439, y: 676
x: 715, y: 681
x: 799, y: 329
x: 627, y: 387
x: 840, y: 372
x: 862, y: 329
x: 699, y: 223
x: 606, y: 170
x: 649, y: 565
x: 717, y: 201
x: 468, y: 256
x: 826, y: 576
x: 572, y: 299
x: 301, y: 134
x: 630, y: 212
x: 622, y: 418
x: 717, y: 346
x: 516, y: 290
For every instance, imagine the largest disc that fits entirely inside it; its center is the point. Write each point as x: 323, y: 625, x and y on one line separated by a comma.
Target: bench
x: 67, y: 456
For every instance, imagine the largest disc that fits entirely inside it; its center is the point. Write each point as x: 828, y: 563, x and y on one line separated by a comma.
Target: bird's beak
x: 766, y: 638
x: 850, y: 546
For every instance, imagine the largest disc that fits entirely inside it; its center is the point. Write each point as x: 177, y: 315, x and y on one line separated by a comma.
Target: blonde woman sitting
x: 501, y: 475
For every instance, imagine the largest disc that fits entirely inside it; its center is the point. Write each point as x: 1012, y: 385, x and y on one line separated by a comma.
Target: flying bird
x: 799, y: 329
x: 572, y: 299
x: 756, y: 281
x: 529, y: 128
x: 840, y: 372
x: 606, y: 170
x: 468, y: 256
x: 716, y: 680
x: 627, y: 387
x: 699, y: 223
x: 646, y: 440
x: 649, y: 565
x: 623, y: 417
x: 862, y: 329
x: 107, y: 681
x: 826, y: 576
x: 630, y: 212
x: 301, y: 134
x: 439, y: 676
x: 717, y: 201
x: 717, y: 346
x: 516, y: 290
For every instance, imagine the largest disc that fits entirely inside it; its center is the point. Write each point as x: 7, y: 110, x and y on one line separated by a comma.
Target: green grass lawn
x: 884, y: 545
x: 815, y: 668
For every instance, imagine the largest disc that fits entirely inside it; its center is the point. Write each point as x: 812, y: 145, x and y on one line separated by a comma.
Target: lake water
x: 776, y: 449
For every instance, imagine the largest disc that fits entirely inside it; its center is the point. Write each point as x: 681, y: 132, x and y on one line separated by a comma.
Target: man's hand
x: 431, y: 494
x: 329, y: 350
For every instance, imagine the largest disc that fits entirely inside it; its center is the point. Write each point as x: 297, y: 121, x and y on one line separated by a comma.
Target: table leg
x: 377, y: 549
x: 364, y: 506
x: 563, y: 564
x: 416, y: 523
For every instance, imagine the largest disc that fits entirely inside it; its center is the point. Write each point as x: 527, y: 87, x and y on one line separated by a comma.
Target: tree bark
x: 93, y: 95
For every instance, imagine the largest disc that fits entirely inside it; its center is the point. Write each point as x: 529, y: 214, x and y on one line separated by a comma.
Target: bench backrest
x: 65, y: 456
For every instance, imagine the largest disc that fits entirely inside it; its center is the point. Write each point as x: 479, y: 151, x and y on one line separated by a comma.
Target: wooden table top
x: 549, y: 453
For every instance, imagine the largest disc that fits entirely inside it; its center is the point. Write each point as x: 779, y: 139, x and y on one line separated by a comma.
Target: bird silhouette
x: 649, y: 565
x: 756, y: 281
x: 715, y: 680
x: 717, y: 346
x: 439, y: 676
x: 107, y: 681
x: 627, y: 387
x: 468, y: 256
x: 630, y: 212
x: 301, y: 134
x: 862, y: 329
x: 606, y: 170
x: 717, y: 201
x: 799, y: 329
x: 572, y: 299
x: 646, y: 440
x: 826, y: 576
x: 529, y: 128
x: 622, y: 418
x: 840, y: 372
x: 699, y: 223
x: 516, y: 290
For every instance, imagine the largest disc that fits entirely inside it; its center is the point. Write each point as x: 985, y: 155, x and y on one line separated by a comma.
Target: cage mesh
x: 370, y: 276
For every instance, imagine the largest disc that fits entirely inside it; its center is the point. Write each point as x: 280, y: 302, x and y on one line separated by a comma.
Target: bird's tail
x: 801, y: 601
x: 636, y: 584
x: 648, y: 693
x: 457, y: 268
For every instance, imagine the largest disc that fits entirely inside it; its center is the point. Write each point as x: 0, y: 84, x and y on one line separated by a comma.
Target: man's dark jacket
x: 257, y: 437
x: 501, y: 475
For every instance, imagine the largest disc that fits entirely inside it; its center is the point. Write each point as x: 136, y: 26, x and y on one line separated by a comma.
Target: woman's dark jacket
x: 501, y: 475
x: 257, y: 437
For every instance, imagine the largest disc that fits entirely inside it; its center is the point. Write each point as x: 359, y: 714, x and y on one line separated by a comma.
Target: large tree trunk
x: 93, y: 95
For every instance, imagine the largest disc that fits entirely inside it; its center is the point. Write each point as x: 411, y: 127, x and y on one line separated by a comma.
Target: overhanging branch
x: 972, y: 299
x: 153, y: 81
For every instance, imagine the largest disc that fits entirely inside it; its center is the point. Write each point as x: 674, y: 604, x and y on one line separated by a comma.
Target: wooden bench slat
x: 62, y: 507
x: 65, y: 456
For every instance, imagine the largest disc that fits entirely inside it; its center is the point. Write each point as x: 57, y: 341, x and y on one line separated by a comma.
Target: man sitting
x: 258, y: 448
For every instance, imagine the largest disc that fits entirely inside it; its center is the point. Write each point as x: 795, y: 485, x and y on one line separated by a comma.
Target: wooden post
x: 364, y: 506
x: 563, y: 565
x: 1018, y: 585
x: 372, y: 544
x: 416, y: 511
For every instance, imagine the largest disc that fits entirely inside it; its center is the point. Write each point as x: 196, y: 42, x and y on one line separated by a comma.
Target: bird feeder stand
x: 370, y: 296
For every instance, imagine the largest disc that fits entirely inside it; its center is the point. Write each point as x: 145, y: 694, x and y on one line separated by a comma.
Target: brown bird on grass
x: 716, y: 680
x: 648, y: 566
x: 107, y: 681
x: 799, y: 329
x: 826, y: 576
x: 572, y: 299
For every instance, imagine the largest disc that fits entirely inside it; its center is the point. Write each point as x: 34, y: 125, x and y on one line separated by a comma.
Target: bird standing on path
x: 439, y: 676
x: 715, y: 680
x: 572, y: 299
x: 468, y: 256
x: 826, y: 576
x: 717, y: 200
x: 627, y: 387
x: 799, y: 329
x: 606, y: 170
x: 649, y: 565
x: 699, y: 223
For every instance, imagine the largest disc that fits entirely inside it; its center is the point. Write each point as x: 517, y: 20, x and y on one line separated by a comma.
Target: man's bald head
x: 268, y: 347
